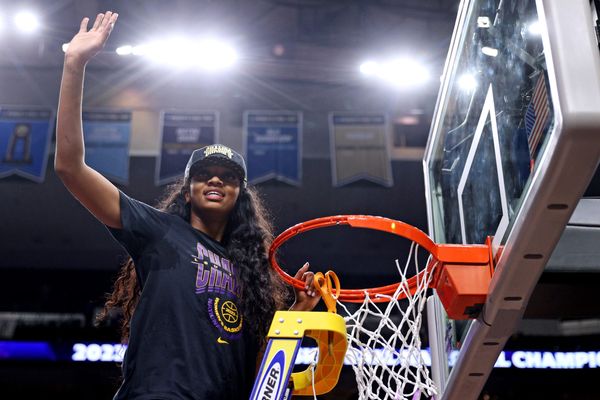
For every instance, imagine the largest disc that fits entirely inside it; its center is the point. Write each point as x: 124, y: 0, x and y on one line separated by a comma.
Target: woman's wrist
x: 74, y: 63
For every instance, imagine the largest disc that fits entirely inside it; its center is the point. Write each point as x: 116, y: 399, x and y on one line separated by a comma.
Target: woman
x: 198, y: 294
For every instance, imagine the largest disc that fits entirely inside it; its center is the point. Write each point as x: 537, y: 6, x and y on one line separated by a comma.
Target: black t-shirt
x: 188, y: 339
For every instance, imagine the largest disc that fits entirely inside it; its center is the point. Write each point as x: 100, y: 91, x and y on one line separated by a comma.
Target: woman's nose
x: 215, y: 180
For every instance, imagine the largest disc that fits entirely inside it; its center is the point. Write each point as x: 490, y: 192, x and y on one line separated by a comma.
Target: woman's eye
x: 205, y: 176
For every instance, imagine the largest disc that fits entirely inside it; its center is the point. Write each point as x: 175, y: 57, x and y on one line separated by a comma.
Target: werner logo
x: 272, y: 379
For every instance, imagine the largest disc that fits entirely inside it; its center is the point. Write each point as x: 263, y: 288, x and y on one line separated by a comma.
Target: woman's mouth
x: 214, y: 195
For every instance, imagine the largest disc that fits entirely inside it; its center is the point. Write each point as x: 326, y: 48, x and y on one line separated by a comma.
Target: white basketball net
x: 387, y: 358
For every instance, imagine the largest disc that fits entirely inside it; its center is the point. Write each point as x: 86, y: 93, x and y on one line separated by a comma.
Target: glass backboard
x: 505, y: 130
x: 493, y: 124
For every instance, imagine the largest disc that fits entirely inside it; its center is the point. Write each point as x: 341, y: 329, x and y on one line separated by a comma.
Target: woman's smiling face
x: 214, y: 189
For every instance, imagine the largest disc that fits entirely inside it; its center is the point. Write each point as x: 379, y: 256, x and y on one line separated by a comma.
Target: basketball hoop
x: 387, y: 359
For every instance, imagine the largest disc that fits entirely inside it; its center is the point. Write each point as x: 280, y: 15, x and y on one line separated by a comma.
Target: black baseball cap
x: 217, y: 154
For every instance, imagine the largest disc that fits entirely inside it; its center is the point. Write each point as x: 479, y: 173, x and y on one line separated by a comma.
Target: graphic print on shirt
x: 216, y: 276
x: 224, y: 314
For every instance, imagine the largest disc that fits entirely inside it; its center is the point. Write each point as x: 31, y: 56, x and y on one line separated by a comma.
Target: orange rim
x: 366, y: 222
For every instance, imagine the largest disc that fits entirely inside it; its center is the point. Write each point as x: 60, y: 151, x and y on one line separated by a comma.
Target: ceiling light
x: 27, y: 22
x: 124, y: 50
x: 205, y: 54
x: 140, y: 50
x: 404, y: 73
x: 369, y: 68
x: 213, y: 55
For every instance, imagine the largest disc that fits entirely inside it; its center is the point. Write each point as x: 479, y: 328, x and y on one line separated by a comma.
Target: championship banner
x: 182, y: 133
x: 273, y: 146
x: 359, y: 148
x: 106, y: 135
x: 25, y: 134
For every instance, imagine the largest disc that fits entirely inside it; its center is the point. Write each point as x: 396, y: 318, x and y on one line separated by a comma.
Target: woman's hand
x: 86, y: 44
x: 307, y: 298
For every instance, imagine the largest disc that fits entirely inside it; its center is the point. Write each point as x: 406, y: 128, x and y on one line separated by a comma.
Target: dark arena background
x: 308, y: 58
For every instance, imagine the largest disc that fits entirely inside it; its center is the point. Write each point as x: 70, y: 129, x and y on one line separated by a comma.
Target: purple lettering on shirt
x: 202, y: 252
x: 215, y: 259
x: 215, y: 279
x: 214, y: 273
x: 227, y: 282
x: 225, y: 265
x: 202, y: 278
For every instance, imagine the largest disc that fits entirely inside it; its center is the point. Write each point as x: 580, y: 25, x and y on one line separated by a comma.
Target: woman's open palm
x: 86, y: 44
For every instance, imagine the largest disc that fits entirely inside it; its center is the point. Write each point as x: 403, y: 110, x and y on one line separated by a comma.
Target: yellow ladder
x: 285, y: 336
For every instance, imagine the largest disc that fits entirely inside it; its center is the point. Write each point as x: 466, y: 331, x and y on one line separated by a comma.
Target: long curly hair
x: 247, y: 238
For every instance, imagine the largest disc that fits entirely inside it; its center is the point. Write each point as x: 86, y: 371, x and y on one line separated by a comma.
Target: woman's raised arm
x: 92, y: 190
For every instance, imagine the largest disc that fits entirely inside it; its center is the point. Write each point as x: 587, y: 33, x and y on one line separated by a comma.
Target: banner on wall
x: 273, y: 146
x: 360, y: 148
x: 107, y: 134
x: 183, y: 132
x: 25, y: 134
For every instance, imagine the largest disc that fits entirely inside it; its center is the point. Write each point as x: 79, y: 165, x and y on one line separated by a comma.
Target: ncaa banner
x: 24, y: 139
x: 360, y: 148
x: 182, y: 132
x: 273, y: 145
x: 106, y: 134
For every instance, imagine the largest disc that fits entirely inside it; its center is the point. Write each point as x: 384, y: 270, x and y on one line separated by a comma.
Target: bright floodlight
x: 215, y: 55
x: 124, y: 50
x: 369, y: 68
x: 404, y: 73
x: 535, y: 28
x: 27, y: 22
x: 140, y: 50
x: 184, y: 53
x: 467, y: 82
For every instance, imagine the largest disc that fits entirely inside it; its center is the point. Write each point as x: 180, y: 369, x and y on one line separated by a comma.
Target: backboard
x: 514, y: 141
